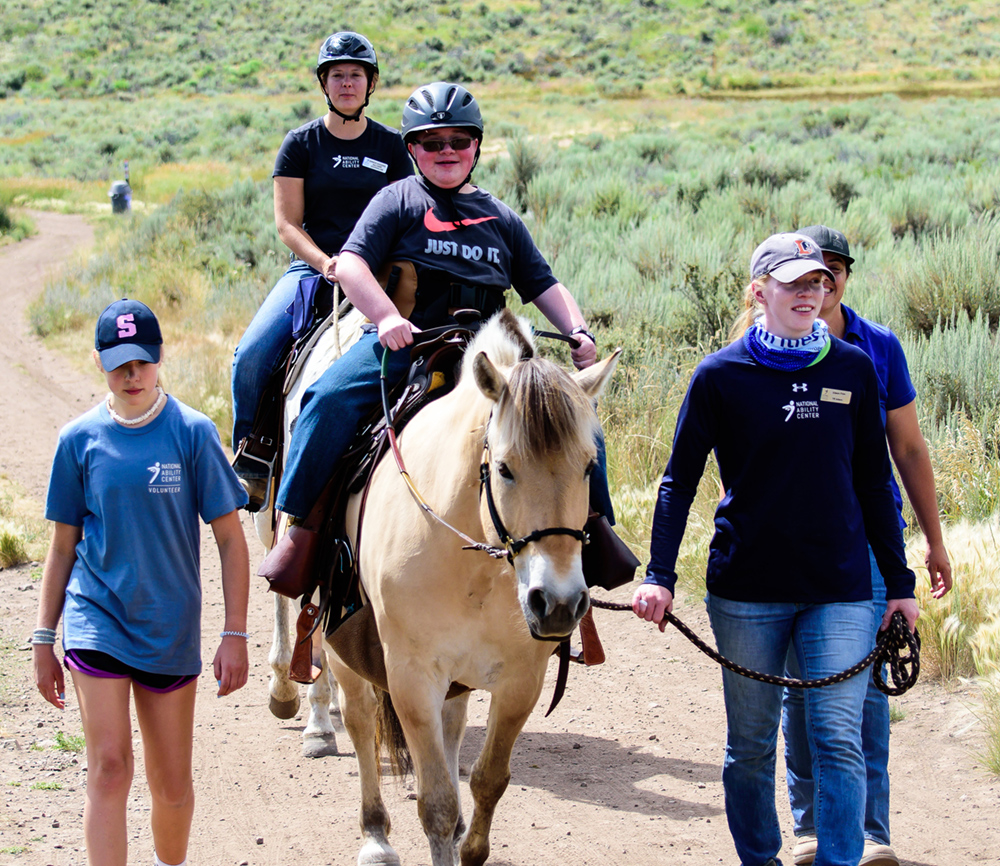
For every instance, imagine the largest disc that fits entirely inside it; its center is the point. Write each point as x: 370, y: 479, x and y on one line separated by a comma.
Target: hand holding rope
x: 897, y: 647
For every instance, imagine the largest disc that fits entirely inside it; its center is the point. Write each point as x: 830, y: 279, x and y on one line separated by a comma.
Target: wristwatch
x: 582, y: 329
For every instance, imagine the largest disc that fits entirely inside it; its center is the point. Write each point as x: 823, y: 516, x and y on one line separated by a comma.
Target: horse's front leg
x: 419, y: 706
x: 318, y: 738
x: 284, y: 693
x: 491, y: 772
x: 359, y: 708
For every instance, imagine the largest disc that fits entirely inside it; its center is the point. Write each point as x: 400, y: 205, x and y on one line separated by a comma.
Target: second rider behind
x: 467, y: 248
x: 325, y: 174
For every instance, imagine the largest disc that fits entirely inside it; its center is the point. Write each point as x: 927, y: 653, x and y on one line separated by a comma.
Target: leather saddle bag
x: 607, y: 560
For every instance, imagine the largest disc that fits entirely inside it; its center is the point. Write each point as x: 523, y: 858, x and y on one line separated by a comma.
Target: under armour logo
x: 803, y: 387
x: 790, y: 406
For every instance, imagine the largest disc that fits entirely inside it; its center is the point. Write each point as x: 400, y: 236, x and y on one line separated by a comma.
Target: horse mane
x: 542, y: 408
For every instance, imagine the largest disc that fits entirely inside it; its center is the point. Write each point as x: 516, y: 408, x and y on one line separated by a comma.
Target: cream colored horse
x: 447, y: 615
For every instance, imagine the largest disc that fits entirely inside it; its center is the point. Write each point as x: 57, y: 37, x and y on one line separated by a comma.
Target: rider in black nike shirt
x: 465, y: 245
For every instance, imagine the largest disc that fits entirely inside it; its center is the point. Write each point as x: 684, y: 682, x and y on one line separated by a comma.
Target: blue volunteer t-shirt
x: 895, y: 388
x: 474, y: 238
x: 340, y: 176
x: 135, y: 588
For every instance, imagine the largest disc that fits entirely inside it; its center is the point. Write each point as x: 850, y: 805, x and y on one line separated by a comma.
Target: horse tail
x: 389, y: 735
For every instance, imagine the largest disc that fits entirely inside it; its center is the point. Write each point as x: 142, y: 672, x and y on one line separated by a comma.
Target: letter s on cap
x: 126, y: 325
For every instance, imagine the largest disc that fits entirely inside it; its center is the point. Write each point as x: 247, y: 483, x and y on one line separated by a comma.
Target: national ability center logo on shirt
x: 164, y: 478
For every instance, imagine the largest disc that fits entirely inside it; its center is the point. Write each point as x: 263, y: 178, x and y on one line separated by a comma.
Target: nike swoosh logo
x: 433, y: 224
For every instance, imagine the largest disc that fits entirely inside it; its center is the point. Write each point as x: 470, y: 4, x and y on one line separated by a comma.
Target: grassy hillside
x: 103, y: 47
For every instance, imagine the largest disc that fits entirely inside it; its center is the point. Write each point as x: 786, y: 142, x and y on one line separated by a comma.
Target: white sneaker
x: 877, y: 854
x: 804, y: 851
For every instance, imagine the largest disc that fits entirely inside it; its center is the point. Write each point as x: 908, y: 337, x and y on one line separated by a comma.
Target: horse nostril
x: 582, y: 606
x: 538, y: 603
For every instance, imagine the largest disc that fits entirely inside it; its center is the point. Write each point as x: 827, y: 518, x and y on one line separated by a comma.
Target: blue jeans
x: 262, y: 346
x: 826, y: 639
x: 333, y: 408
x: 874, y: 743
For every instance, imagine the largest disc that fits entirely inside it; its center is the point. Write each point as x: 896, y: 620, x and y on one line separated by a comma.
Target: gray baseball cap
x: 786, y: 257
x: 830, y: 241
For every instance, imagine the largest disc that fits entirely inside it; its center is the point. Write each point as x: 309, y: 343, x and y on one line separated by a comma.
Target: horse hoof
x: 375, y: 853
x: 283, y: 709
x: 319, y: 746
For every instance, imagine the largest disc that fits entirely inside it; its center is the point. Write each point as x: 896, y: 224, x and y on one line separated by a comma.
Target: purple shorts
x: 98, y: 664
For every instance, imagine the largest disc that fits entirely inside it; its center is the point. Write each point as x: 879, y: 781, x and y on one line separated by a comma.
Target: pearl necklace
x: 132, y: 422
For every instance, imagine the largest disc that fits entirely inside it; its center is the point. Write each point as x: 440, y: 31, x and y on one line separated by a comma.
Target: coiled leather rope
x: 897, y: 647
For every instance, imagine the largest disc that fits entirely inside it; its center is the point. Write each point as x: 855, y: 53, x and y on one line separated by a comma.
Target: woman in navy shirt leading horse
x: 793, y: 418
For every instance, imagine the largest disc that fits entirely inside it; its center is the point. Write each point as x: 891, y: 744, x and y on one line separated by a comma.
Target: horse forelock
x: 543, y: 410
x: 505, y: 339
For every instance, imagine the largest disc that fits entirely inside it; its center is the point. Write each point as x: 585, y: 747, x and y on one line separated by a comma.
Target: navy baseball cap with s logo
x: 127, y: 330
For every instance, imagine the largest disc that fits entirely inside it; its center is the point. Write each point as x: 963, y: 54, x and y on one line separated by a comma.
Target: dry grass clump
x: 961, y: 632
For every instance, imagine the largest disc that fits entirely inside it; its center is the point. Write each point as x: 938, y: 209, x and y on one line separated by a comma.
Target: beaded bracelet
x: 241, y: 634
x: 43, y: 636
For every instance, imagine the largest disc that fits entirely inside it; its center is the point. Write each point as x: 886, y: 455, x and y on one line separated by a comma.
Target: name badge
x: 368, y: 162
x: 833, y: 395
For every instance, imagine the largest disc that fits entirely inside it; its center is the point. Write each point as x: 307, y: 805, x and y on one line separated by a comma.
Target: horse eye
x: 505, y: 472
x: 591, y: 466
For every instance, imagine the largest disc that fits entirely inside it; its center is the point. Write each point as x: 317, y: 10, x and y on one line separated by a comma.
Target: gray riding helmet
x: 347, y: 47
x: 441, y: 104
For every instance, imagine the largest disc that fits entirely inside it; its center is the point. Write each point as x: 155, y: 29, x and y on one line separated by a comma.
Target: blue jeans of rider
x: 333, y: 408
x: 874, y: 744
x: 826, y: 639
x: 261, y: 347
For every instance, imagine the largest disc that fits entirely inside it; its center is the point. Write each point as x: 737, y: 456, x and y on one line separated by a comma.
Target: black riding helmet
x: 442, y: 104
x: 347, y: 47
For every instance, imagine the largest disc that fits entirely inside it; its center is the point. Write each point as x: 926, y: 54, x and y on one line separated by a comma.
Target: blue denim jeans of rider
x: 262, y: 346
x: 874, y: 743
x: 333, y: 408
x: 826, y: 639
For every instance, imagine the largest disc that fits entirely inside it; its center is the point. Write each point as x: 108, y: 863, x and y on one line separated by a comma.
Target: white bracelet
x: 241, y: 634
x: 43, y: 637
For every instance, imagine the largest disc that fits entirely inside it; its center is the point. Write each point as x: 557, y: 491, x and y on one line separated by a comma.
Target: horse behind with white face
x: 451, y: 616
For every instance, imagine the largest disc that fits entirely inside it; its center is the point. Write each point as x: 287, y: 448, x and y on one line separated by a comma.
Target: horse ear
x: 489, y: 379
x: 595, y: 377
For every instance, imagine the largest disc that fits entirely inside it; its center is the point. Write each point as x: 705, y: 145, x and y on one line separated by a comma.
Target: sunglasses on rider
x: 436, y: 145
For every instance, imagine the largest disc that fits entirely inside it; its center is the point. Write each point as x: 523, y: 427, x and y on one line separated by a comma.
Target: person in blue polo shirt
x: 792, y: 415
x: 910, y: 455
x: 130, y: 480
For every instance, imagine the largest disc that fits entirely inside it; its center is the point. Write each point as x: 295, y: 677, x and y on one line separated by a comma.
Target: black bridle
x: 512, y: 545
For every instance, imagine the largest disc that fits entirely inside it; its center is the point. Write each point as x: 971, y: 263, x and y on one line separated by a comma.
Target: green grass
x: 46, y: 786
x: 70, y: 742
x: 14, y: 849
x: 613, y: 47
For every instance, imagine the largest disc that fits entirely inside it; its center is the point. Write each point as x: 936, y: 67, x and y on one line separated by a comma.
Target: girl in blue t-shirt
x: 130, y: 480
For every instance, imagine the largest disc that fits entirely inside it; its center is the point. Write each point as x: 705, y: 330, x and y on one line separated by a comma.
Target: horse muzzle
x: 551, y: 616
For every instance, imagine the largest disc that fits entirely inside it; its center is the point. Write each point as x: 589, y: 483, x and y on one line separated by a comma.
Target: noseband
x: 512, y: 545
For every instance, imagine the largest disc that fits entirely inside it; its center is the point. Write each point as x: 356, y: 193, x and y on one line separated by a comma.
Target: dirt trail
x: 625, y: 771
